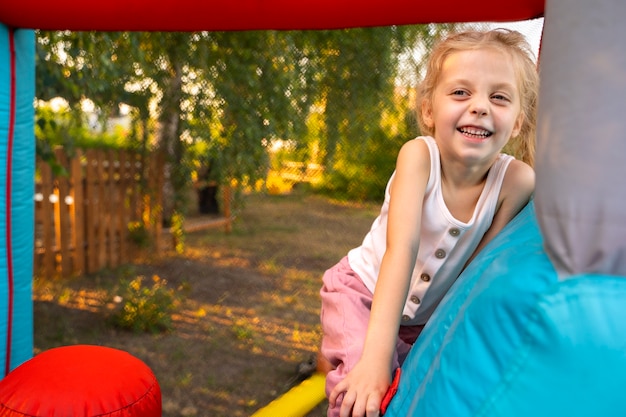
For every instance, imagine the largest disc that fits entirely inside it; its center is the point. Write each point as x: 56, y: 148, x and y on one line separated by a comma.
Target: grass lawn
x: 247, y: 310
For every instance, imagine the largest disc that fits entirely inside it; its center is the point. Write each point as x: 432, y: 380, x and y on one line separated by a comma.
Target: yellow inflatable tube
x: 298, y: 401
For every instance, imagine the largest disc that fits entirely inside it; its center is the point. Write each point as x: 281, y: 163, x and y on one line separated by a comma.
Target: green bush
x: 138, y: 234
x: 144, y: 306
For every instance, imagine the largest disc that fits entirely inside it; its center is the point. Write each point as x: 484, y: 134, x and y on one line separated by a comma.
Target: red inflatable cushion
x: 81, y: 380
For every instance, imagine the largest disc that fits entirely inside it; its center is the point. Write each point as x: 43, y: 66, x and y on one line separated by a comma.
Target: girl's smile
x: 474, y: 132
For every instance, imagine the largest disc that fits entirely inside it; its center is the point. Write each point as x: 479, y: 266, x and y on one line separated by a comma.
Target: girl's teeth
x: 475, y: 132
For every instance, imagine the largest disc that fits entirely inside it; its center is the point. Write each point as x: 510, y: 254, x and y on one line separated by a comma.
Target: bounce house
x: 534, y: 326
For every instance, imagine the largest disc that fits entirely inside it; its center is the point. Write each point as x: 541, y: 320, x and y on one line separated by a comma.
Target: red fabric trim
x: 8, y: 202
x: 194, y: 15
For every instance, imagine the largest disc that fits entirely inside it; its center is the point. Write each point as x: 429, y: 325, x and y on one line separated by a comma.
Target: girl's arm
x: 517, y: 188
x: 365, y: 386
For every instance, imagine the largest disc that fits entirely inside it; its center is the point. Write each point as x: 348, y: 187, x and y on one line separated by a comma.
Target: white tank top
x: 445, y: 242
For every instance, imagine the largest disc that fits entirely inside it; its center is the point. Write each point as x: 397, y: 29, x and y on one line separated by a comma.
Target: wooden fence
x: 98, y: 214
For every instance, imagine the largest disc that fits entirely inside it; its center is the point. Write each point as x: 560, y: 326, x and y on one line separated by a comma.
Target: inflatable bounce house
x: 534, y: 326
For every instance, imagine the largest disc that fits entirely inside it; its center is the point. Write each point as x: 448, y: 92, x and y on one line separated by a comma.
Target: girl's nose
x: 479, y: 108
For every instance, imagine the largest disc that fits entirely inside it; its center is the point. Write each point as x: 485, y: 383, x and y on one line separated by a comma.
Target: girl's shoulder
x: 519, y: 182
x: 414, y: 160
x: 520, y: 174
x: 418, y: 149
x: 421, y: 143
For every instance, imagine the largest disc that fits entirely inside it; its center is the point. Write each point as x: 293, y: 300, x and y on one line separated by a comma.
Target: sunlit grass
x: 248, y: 310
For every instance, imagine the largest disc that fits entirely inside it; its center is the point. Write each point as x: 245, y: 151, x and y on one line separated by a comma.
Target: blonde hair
x: 515, y: 45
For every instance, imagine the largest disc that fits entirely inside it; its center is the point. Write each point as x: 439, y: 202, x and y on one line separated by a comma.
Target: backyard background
x: 192, y: 188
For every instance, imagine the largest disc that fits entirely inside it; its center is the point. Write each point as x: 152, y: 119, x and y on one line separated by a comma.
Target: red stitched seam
x: 8, y: 202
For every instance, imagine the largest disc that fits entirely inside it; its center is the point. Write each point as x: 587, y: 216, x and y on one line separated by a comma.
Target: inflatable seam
x: 12, y: 105
x: 150, y: 390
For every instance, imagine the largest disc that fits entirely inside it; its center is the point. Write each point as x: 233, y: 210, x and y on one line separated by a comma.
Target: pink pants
x: 346, y: 305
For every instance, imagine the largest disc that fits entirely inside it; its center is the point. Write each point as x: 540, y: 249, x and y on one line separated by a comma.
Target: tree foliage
x: 338, y: 95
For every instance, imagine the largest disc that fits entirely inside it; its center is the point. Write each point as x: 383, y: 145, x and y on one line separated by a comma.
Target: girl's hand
x: 363, y: 388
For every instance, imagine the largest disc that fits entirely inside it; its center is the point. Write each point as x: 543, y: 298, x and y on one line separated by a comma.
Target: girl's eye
x: 500, y: 97
x: 459, y: 93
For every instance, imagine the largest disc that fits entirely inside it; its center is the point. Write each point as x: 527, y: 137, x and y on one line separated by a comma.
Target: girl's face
x: 475, y: 108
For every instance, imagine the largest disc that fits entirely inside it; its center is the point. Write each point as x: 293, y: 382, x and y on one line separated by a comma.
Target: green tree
x: 367, y: 79
x: 230, y: 89
x: 235, y: 92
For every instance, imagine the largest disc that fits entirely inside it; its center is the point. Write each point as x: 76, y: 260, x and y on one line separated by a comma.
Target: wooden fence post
x: 62, y: 217
x: 47, y: 263
x: 77, y: 195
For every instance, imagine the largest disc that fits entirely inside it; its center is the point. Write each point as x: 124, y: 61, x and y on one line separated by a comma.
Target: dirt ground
x: 249, y: 309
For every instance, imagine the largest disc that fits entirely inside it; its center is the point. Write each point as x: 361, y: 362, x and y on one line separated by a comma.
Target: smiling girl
x: 452, y: 191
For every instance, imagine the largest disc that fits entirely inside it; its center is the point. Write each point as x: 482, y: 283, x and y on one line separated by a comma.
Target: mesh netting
x: 364, y: 117
x: 256, y: 109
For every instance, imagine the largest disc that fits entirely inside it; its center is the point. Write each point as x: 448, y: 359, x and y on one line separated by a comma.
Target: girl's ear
x: 427, y: 114
x: 519, y: 123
